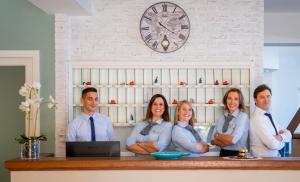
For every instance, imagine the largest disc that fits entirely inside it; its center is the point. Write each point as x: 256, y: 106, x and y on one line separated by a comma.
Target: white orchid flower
x: 52, y: 103
x: 23, y: 91
x: 24, y: 106
x: 36, y: 85
x: 30, y: 101
x: 31, y: 105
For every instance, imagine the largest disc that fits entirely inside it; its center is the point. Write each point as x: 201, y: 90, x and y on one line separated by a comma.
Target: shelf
x: 133, y: 86
x: 145, y: 105
x: 164, y: 86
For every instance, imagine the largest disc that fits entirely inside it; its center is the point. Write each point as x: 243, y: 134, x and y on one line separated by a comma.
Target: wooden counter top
x: 149, y: 163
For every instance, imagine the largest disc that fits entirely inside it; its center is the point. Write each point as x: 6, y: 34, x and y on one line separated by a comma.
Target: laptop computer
x: 93, y: 149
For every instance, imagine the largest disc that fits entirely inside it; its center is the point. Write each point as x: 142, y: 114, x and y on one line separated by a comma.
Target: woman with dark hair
x: 184, y: 137
x: 231, y: 131
x: 154, y: 133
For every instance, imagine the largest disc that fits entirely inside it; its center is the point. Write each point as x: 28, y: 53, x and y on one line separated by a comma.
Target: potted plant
x: 30, y: 141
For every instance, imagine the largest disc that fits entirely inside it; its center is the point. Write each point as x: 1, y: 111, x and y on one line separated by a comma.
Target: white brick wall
x: 221, y: 30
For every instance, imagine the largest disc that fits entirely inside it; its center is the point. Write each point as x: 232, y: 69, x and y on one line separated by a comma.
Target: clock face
x: 165, y: 27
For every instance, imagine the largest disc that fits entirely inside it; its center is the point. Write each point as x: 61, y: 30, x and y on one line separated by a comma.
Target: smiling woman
x: 154, y: 133
x: 231, y: 131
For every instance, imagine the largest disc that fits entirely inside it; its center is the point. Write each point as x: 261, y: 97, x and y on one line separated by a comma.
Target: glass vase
x: 30, y: 149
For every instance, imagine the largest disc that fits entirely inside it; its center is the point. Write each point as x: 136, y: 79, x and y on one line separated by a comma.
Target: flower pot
x: 30, y: 149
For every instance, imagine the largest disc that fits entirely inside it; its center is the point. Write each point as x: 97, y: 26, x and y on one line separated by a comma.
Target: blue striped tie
x: 93, y: 135
x: 281, y: 151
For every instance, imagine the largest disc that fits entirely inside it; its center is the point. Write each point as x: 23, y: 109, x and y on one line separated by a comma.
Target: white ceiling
x: 282, y: 6
x: 85, y: 7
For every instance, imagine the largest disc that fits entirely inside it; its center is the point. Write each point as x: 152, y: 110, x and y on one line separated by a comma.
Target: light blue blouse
x: 80, y: 128
x: 238, y: 128
x: 159, y: 134
x: 183, y: 139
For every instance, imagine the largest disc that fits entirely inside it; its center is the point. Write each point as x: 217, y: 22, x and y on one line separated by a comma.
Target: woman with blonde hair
x: 184, y: 137
x: 231, y: 131
x: 154, y: 133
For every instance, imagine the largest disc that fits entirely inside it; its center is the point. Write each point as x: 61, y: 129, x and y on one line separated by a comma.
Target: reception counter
x: 144, y: 169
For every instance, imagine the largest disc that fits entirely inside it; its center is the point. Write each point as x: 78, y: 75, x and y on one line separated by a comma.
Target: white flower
x: 52, y: 103
x: 31, y: 105
x: 36, y: 85
x: 23, y: 91
x: 25, y: 106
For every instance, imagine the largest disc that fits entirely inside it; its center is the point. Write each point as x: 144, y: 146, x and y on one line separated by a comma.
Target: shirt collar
x: 234, y: 114
x: 259, y: 110
x: 159, y: 121
x: 182, y: 123
x: 87, y: 117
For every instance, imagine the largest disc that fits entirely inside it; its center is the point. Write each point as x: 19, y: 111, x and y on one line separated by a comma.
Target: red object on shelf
x: 216, y: 82
x: 181, y: 83
x: 131, y: 83
x: 225, y: 82
x: 174, y: 101
x: 113, y: 101
x: 211, y: 101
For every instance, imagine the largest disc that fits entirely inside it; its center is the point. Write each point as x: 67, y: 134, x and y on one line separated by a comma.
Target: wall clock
x: 164, y: 27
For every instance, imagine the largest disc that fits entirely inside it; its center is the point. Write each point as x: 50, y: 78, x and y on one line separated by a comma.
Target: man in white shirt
x: 90, y: 125
x: 267, y: 137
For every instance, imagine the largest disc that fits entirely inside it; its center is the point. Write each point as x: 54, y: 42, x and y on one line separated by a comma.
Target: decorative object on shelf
x: 122, y: 83
x: 200, y: 81
x: 182, y: 83
x: 113, y: 101
x: 174, y: 101
x: 156, y: 82
x: 216, y: 82
x: 86, y: 83
x: 132, y: 83
x: 169, y: 155
x: 131, y: 119
x: 164, y: 27
x: 30, y: 141
x: 211, y: 101
x: 225, y: 82
x: 192, y: 101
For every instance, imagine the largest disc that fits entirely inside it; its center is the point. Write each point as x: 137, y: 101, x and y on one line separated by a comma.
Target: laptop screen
x: 93, y: 149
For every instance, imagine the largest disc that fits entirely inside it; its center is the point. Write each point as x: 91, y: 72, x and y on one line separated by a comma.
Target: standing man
x: 90, y: 125
x: 267, y: 137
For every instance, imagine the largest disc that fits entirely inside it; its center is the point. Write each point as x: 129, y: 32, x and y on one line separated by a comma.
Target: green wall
x: 23, y: 26
x: 13, y: 78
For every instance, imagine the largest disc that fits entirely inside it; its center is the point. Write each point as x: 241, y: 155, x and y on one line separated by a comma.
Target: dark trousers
x: 224, y: 153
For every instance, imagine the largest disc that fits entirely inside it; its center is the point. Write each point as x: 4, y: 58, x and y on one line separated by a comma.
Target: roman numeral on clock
x: 147, y: 18
x: 154, y: 45
x: 184, y: 27
x: 147, y: 28
x: 154, y: 9
x: 182, y: 16
x: 164, y: 6
x: 174, y: 9
x: 181, y: 36
x: 148, y: 37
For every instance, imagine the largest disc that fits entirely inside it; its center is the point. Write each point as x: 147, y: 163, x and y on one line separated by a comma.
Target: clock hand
x: 165, y: 27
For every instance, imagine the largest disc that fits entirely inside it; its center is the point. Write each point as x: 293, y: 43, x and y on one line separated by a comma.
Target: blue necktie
x: 93, y: 135
x: 194, y: 132
x: 147, y: 129
x: 226, y: 123
x: 281, y: 151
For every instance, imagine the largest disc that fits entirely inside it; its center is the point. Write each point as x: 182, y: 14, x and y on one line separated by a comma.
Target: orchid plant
x: 31, y: 108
